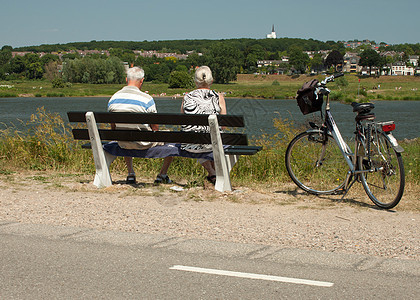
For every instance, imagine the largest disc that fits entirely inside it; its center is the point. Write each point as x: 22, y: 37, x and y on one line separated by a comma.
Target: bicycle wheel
x: 315, y: 163
x: 384, y: 184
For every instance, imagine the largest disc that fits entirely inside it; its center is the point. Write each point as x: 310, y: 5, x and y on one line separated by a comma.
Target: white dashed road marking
x: 252, y: 276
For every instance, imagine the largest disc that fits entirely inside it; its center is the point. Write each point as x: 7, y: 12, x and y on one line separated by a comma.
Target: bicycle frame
x: 350, y: 156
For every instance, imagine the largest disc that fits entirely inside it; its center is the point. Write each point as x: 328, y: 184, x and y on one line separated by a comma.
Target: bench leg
x: 102, y: 175
x: 231, y: 161
x: 220, y: 162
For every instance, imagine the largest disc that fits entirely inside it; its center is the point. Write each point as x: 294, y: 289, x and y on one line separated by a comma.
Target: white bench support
x: 102, y: 159
x: 223, y: 163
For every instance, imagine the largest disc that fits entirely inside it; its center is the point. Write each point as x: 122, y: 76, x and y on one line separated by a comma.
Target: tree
x: 7, y: 47
x: 47, y: 58
x: 31, y: 58
x: 5, y: 56
x: 408, y: 51
x: 370, y: 58
x: 334, y: 59
x: 195, y: 60
x: 35, y: 70
x: 298, y: 59
x: 251, y: 62
x: 180, y: 79
x: 89, y: 70
x: 316, y: 63
x: 51, y: 70
x: 158, y: 72
x: 224, y: 60
x: 17, y: 65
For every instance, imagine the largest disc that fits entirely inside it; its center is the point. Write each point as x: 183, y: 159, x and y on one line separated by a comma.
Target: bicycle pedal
x: 340, y: 192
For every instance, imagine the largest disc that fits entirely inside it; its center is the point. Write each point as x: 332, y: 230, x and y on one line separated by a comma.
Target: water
x: 259, y: 114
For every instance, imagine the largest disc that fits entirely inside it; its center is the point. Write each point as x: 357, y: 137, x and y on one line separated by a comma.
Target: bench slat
x: 242, y: 150
x: 158, y: 118
x: 161, y: 136
x: 232, y: 150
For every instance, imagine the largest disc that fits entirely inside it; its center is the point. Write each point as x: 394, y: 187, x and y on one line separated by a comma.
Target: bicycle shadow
x: 347, y: 199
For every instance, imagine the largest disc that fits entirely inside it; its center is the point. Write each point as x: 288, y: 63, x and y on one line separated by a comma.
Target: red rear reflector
x: 388, y: 127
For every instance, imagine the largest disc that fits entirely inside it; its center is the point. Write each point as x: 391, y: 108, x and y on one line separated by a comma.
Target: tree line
x: 225, y: 57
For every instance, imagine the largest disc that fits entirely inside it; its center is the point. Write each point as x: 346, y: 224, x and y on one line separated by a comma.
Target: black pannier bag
x: 307, y: 101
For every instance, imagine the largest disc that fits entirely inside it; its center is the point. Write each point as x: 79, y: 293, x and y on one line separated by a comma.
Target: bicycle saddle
x: 362, y: 108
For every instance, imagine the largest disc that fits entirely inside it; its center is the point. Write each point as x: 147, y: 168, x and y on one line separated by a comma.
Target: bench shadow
x: 141, y: 184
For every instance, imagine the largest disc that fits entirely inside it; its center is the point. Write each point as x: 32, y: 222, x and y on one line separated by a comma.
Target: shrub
x: 7, y: 95
x: 341, y: 81
x: 337, y: 95
x: 57, y: 83
x: 46, y: 144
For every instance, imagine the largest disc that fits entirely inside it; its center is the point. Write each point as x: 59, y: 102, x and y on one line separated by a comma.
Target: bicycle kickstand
x: 350, y: 180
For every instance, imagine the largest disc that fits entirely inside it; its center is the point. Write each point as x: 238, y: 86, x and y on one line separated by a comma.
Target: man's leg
x: 165, y: 166
x: 162, y: 177
x: 209, y: 166
x: 129, y: 163
x: 131, y: 178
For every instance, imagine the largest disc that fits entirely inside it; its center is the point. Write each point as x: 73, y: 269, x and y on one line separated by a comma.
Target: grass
x: 246, y: 86
x: 347, y: 90
x: 47, y: 145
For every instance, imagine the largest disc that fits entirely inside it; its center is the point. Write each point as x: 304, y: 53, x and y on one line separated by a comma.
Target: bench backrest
x: 161, y: 119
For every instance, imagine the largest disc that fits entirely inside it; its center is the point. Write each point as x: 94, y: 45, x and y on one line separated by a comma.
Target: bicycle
x: 320, y: 162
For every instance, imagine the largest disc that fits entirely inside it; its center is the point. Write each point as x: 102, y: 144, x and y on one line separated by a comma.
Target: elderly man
x: 131, y: 99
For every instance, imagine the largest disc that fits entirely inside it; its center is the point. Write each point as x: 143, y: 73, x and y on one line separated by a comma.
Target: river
x: 258, y: 113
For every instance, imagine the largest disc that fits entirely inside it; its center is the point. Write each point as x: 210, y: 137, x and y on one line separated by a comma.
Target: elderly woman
x: 203, y: 100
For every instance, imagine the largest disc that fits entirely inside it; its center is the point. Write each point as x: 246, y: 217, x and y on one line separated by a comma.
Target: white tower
x: 272, y: 35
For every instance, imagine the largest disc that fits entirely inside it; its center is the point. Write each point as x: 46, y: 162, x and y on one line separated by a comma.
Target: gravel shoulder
x: 278, y: 215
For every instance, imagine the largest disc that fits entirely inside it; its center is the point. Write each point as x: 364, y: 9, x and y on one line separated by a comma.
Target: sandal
x: 211, y: 179
x: 162, y: 179
x: 131, y: 179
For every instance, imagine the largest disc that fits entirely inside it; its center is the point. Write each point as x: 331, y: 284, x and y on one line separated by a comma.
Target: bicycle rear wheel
x: 385, y: 182
x: 315, y: 163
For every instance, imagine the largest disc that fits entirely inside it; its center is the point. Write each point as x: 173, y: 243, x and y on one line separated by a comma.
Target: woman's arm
x: 222, y: 104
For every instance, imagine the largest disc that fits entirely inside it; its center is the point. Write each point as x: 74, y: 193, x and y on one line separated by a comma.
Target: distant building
x: 154, y: 53
x: 272, y: 35
x: 351, y: 63
x: 401, y: 68
x: 414, y: 60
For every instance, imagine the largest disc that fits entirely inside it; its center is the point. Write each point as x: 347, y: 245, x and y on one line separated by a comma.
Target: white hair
x: 135, y: 73
x: 203, y: 77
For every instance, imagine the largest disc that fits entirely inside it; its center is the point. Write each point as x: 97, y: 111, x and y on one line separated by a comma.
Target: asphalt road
x: 50, y: 262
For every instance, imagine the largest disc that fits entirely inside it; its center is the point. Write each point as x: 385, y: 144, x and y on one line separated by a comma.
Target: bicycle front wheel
x: 384, y: 179
x: 315, y: 163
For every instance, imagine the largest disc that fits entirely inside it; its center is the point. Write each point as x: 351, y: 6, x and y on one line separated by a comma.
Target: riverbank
x: 246, y: 86
x: 276, y: 215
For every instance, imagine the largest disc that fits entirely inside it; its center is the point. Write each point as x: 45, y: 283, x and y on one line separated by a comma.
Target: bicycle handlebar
x: 331, y: 78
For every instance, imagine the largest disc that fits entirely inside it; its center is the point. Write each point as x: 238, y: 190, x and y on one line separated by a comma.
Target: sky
x: 29, y: 22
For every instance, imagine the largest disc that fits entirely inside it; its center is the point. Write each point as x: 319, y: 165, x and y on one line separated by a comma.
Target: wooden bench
x: 227, y: 147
